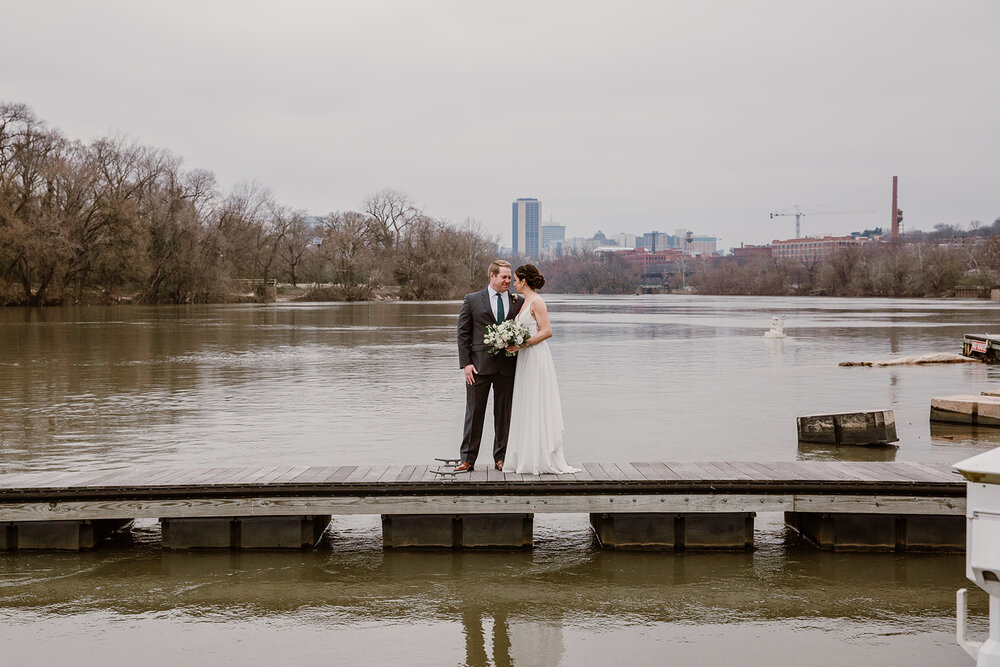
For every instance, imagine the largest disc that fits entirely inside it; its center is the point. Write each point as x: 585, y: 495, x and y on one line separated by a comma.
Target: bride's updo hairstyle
x: 529, y: 273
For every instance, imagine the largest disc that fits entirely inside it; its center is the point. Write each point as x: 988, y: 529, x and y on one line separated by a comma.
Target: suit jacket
x: 476, y: 315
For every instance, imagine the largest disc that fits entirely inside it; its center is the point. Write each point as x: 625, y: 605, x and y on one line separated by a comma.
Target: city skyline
x: 712, y: 115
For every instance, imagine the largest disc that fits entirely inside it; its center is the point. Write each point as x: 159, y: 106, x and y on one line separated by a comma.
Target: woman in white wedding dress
x: 535, y: 444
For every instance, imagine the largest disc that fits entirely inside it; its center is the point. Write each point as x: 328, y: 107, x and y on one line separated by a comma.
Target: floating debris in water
x: 937, y: 358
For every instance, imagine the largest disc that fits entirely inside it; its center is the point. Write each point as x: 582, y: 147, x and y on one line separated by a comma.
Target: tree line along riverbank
x: 115, y: 221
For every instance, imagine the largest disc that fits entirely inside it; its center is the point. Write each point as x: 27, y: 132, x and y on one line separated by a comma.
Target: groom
x: 482, y: 371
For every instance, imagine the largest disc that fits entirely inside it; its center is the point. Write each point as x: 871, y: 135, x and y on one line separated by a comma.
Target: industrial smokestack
x: 895, y: 212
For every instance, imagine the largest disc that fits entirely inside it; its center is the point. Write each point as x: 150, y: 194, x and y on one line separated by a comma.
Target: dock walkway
x: 408, y: 497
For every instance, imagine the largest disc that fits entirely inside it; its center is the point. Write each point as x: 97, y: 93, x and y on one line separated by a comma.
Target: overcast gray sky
x: 619, y: 116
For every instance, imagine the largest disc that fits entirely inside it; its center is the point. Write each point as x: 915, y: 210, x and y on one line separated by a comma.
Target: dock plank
x: 596, y: 471
x: 92, y: 479
x: 645, y: 469
x: 706, y: 470
x: 154, y: 480
x: 828, y: 471
x: 220, y: 476
x: 751, y: 473
x: 631, y: 472
x: 340, y: 475
x: 43, y: 479
x: 427, y: 476
x: 141, y: 477
x: 275, y: 474
x: 208, y: 477
x: 730, y: 472
x: 910, y: 474
x: 853, y: 472
x: 358, y: 474
x: 764, y: 471
x: 685, y: 471
x: 314, y: 475
x: 252, y: 477
x: 237, y: 473
x: 419, y: 472
x: 789, y: 470
x: 390, y: 474
x: 882, y: 471
x: 373, y: 474
x: 288, y: 475
x: 613, y: 471
x: 663, y: 471
x: 934, y: 474
x: 404, y: 473
x: 182, y: 475
x: 945, y: 468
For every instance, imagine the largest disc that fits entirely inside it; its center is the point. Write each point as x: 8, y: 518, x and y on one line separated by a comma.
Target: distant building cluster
x: 532, y: 239
x: 653, y: 251
x: 682, y: 242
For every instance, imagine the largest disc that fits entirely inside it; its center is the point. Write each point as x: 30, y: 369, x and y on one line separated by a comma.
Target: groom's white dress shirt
x: 504, y: 296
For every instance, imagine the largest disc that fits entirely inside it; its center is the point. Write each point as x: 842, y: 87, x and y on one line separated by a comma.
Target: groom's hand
x: 470, y: 374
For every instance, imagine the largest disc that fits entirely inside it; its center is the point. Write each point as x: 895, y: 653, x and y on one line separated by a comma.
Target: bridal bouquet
x: 498, y: 337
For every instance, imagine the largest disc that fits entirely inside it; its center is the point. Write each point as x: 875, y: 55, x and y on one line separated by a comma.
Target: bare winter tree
x: 245, y: 222
x: 184, y: 254
x: 295, y: 241
x: 348, y: 246
x: 33, y: 243
x: 108, y: 232
x: 393, y: 211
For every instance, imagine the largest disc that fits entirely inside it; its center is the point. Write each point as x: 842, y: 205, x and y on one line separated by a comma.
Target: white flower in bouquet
x: 498, y: 337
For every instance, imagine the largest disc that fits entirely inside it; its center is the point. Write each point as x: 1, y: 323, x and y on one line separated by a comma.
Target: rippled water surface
x: 642, y: 378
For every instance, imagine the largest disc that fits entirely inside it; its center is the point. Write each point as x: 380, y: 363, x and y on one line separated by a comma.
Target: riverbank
x: 280, y: 293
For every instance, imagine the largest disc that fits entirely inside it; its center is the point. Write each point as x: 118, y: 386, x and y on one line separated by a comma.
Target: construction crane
x: 798, y: 216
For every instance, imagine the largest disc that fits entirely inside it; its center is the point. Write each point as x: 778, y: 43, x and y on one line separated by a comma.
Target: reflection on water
x: 642, y: 378
x: 816, y: 451
x: 566, y: 602
x: 951, y: 436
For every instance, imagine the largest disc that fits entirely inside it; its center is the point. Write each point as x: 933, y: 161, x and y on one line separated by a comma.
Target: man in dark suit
x: 483, y: 371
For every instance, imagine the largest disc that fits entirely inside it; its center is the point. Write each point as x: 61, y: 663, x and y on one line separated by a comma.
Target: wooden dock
x: 839, y: 505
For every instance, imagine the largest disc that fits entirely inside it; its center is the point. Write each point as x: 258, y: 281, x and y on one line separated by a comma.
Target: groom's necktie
x: 500, y: 312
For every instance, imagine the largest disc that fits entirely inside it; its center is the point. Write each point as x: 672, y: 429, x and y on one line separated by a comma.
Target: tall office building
x: 525, y: 227
x: 553, y: 234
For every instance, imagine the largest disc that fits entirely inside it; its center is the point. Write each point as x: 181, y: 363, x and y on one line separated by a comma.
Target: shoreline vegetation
x: 114, y: 221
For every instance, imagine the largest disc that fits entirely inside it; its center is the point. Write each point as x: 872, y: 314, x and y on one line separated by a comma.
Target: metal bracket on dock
x: 444, y: 469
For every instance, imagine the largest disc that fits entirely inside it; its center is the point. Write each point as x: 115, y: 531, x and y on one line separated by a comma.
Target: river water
x: 661, y: 377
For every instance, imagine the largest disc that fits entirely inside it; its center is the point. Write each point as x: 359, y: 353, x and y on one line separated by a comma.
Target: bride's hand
x: 513, y: 348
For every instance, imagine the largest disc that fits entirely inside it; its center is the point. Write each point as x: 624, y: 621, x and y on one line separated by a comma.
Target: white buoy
x: 777, y: 329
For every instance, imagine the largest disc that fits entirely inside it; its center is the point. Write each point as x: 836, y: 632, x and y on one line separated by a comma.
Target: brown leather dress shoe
x: 499, y: 465
x: 464, y: 466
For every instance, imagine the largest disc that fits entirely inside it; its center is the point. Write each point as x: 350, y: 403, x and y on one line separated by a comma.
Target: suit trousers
x: 476, y: 397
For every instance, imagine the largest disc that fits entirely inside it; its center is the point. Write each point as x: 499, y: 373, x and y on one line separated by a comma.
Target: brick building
x: 813, y: 248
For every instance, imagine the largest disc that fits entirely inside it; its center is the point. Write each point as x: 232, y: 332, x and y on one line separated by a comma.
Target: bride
x: 535, y: 444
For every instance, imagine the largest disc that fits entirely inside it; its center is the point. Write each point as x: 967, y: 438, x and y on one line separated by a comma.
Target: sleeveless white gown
x: 535, y: 443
